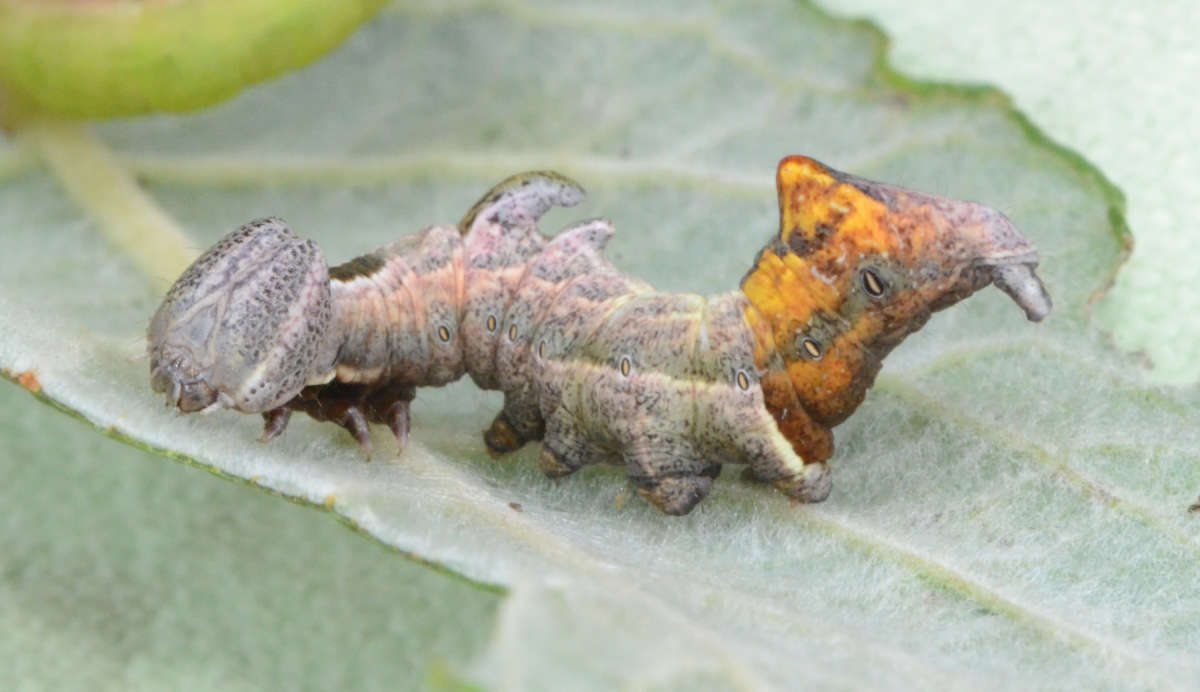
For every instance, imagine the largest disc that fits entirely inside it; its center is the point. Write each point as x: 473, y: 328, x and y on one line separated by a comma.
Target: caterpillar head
x: 859, y: 265
x: 247, y: 325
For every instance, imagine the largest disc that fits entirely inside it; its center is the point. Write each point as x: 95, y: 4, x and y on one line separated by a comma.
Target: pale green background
x: 1036, y: 534
x: 119, y: 571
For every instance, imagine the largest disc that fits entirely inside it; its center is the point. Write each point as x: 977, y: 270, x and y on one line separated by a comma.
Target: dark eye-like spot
x: 542, y: 350
x: 491, y: 323
x: 443, y: 334
x: 872, y: 283
x: 626, y: 366
x: 812, y: 348
x: 743, y: 382
x: 512, y: 333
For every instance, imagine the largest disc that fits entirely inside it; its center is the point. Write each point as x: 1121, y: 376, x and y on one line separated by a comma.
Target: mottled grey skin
x: 247, y: 325
x: 598, y: 365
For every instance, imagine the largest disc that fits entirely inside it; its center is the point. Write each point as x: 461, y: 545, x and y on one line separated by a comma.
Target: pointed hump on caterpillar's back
x: 519, y: 200
x: 817, y: 203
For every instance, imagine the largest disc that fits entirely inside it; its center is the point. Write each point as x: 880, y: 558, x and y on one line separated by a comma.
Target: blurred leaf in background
x: 105, y: 58
x: 1010, y: 504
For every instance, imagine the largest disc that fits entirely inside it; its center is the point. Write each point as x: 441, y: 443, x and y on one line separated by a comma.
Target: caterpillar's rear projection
x: 597, y: 365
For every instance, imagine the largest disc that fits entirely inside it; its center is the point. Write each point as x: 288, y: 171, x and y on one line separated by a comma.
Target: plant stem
x: 103, y: 188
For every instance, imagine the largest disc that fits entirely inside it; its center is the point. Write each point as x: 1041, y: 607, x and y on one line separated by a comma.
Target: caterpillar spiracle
x: 597, y: 365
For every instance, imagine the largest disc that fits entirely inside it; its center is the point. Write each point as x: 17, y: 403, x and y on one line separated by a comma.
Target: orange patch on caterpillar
x: 815, y: 381
x: 812, y: 201
x: 840, y: 361
x: 777, y: 390
x: 761, y: 288
x: 826, y: 228
x: 819, y: 276
x: 811, y: 441
x: 784, y: 297
x: 764, y: 341
x: 807, y: 181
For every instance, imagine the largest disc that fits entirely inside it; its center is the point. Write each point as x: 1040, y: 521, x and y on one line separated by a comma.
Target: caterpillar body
x: 597, y: 365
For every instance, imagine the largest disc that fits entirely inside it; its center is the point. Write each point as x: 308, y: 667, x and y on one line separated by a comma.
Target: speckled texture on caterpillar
x: 597, y: 365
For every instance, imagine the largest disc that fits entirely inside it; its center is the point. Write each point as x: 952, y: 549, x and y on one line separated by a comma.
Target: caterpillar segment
x: 597, y: 365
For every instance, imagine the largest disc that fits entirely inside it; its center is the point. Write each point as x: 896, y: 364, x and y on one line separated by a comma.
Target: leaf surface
x: 144, y: 576
x: 1009, y: 505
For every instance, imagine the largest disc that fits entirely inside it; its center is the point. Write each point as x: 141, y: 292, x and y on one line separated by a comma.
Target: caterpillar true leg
x: 597, y: 363
x: 353, y: 420
x: 396, y: 417
x: 275, y: 422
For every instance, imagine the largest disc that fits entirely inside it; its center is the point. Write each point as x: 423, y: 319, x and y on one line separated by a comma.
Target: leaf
x: 1009, y: 506
x: 143, y: 576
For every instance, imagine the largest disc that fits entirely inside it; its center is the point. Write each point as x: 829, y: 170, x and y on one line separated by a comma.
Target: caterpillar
x: 597, y: 365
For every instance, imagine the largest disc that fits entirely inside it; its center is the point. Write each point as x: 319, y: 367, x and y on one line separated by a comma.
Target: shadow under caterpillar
x: 597, y: 365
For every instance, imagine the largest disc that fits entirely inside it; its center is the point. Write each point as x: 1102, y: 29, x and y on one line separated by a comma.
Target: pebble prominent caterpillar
x: 597, y: 365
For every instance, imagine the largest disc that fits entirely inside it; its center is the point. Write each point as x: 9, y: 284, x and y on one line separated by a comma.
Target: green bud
x: 107, y: 58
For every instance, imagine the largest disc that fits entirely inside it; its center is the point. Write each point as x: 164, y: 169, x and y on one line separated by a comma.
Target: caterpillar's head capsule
x: 247, y: 325
x: 859, y: 265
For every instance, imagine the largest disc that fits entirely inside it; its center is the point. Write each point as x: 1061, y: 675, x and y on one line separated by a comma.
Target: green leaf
x: 1009, y: 505
x: 122, y: 572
